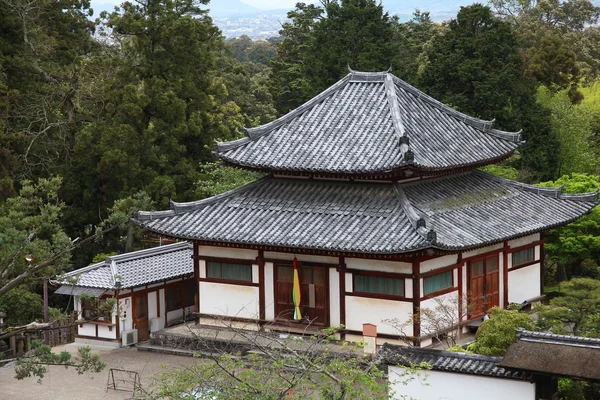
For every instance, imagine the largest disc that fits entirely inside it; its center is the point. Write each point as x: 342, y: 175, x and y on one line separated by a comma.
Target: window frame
x: 438, y: 292
x: 527, y: 263
x: 246, y: 263
x: 376, y: 295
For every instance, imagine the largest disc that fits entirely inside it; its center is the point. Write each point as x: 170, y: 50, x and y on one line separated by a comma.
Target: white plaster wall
x: 408, y: 289
x: 378, y: 265
x: 86, y: 330
x: 227, y: 252
x: 436, y: 385
x: 524, y: 240
x: 255, y: 273
x: 334, y: 297
x: 301, y: 257
x: 152, y: 306
x: 524, y: 283
x: 202, y: 269
x: 362, y: 310
x: 438, y: 262
x: 269, y: 292
x: 483, y: 250
x: 229, y: 300
x: 105, y: 333
x: 349, y: 286
x: 448, y: 301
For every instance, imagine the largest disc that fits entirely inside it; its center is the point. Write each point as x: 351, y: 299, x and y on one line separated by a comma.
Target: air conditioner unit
x: 129, y: 337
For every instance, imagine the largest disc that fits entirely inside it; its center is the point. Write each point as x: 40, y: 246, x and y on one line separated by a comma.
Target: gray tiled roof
x: 440, y: 360
x: 457, y: 212
x: 136, y: 268
x: 369, y: 123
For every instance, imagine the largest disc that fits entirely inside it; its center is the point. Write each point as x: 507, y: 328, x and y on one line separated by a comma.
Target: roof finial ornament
x: 432, y: 236
x: 350, y: 69
x: 389, y: 70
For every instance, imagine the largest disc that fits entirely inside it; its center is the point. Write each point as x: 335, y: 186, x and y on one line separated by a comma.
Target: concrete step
x: 151, y: 348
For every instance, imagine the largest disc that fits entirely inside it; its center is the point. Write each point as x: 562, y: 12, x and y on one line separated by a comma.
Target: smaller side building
x: 453, y: 376
x: 555, y: 355
x: 151, y: 288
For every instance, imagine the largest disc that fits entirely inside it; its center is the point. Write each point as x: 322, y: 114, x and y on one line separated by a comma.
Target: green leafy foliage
x: 319, y: 43
x: 36, y: 363
x: 21, y: 306
x: 495, y: 335
x: 31, y: 235
x: 573, y: 125
x: 571, y: 245
x: 290, y: 367
x: 576, y: 311
x: 475, y: 66
x: 217, y: 179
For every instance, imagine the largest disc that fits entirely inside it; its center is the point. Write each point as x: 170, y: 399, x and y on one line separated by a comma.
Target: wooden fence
x: 59, y: 332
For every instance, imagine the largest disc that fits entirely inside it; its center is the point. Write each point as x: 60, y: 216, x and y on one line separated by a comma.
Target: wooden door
x: 492, y: 283
x: 140, y: 314
x: 484, y: 288
x: 477, y: 289
x: 314, y: 293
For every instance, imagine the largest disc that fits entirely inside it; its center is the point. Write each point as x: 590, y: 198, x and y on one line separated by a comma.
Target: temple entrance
x: 314, y: 293
x: 484, y: 286
x: 140, y: 315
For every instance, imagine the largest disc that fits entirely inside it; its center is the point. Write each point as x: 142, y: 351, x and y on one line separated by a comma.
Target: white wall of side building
x: 378, y: 265
x: 437, y: 385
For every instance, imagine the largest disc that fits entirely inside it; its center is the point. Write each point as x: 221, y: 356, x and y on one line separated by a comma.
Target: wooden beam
x: 505, y: 253
x: 262, y: 307
x: 196, y: 261
x: 342, y: 279
x: 416, y: 278
x: 542, y: 256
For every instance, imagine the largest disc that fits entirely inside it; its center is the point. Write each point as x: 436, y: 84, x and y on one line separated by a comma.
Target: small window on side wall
x: 437, y: 282
x: 379, y: 285
x: 228, y: 271
x: 523, y: 256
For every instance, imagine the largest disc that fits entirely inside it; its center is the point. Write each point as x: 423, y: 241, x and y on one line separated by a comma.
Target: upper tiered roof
x: 463, y: 211
x: 370, y: 124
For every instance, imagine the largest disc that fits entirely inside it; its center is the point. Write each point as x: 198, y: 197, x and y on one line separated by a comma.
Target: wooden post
x: 262, y: 310
x: 46, y: 313
x: 342, y: 279
x: 416, y: 281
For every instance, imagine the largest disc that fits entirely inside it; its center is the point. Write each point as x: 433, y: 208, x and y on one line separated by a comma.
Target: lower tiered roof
x: 456, y: 212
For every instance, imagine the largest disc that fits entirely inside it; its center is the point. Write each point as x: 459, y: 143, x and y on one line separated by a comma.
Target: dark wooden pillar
x: 342, y: 279
x: 416, y: 284
x: 460, y: 263
x: 262, y: 307
x: 505, y: 255
x: 542, y: 256
x: 196, y: 260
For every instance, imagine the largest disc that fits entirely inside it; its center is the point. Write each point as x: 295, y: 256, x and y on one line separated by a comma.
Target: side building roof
x: 559, y: 355
x: 446, y: 361
x: 369, y: 123
x: 457, y: 212
x: 135, y: 269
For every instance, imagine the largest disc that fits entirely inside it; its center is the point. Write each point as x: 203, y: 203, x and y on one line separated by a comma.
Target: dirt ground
x: 61, y: 383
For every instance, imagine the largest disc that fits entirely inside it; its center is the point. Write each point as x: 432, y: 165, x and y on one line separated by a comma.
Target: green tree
x: 321, y: 42
x: 574, y: 127
x: 217, y: 179
x: 21, y: 306
x: 495, y: 335
x: 475, y: 66
x: 578, y: 241
x: 576, y: 311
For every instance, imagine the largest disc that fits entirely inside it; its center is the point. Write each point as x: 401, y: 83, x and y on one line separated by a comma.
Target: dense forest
x: 102, y: 117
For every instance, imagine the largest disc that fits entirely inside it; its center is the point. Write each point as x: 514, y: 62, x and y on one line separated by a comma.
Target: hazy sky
x: 266, y: 4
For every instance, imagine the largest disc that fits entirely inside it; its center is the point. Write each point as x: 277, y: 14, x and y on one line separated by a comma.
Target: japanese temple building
x: 373, y: 187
